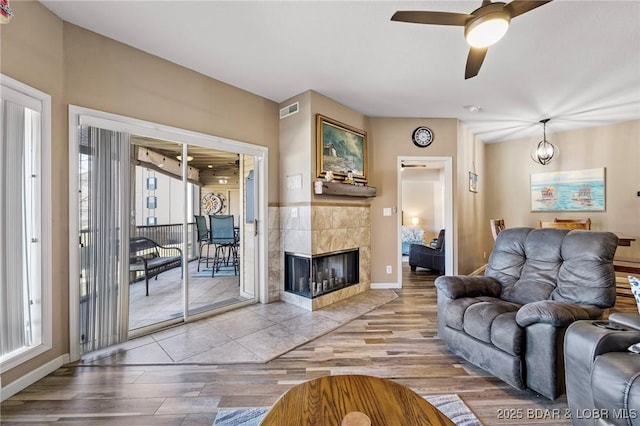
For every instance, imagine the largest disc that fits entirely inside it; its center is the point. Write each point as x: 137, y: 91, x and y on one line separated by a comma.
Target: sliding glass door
x: 171, y: 222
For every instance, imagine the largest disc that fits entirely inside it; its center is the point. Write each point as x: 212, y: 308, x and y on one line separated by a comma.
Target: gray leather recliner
x: 603, y: 377
x: 430, y: 257
x: 511, y: 321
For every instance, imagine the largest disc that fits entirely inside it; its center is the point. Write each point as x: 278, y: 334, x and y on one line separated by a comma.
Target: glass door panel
x: 248, y: 230
x: 157, y: 238
x: 215, y: 274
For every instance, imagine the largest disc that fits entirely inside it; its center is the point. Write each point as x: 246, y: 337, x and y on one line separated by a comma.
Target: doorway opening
x: 425, y: 197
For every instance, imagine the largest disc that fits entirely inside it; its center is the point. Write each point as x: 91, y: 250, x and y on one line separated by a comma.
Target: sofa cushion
x: 487, y: 319
x: 438, y: 243
x: 480, y: 320
x: 538, y: 268
x: 507, y: 335
x: 587, y: 275
x: 454, y: 315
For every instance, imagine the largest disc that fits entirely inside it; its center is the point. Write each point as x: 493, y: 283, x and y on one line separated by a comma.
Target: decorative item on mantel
x: 349, y: 179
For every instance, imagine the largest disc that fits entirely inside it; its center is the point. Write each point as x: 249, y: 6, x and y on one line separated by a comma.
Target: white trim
x: 38, y: 101
x: 450, y: 269
x: 86, y: 116
x: 74, y: 253
x: 33, y: 376
x: 380, y: 286
x: 120, y: 123
x: 262, y: 197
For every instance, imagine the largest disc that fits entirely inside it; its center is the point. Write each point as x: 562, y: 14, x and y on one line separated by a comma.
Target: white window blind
x: 25, y: 323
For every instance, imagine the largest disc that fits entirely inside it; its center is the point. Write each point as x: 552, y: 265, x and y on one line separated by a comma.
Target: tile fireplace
x: 313, y: 276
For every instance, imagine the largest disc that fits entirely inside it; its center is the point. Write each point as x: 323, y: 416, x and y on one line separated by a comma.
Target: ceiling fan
x: 482, y: 27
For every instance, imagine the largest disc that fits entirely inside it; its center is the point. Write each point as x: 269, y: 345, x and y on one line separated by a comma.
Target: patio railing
x: 167, y: 235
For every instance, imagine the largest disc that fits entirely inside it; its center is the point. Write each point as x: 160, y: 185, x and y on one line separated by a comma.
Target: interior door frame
x: 86, y: 116
x: 448, y: 211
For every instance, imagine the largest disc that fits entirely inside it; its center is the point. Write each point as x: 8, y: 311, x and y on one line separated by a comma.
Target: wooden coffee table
x: 325, y: 401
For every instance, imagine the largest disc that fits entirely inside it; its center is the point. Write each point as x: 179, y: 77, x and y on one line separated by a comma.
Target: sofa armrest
x: 455, y: 287
x: 555, y: 313
x: 628, y: 320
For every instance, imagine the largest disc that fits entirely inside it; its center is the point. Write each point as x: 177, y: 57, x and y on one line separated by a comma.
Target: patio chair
x: 223, y: 236
x: 203, y: 239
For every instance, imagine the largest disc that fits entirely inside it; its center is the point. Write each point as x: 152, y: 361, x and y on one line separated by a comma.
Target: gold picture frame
x: 340, y: 149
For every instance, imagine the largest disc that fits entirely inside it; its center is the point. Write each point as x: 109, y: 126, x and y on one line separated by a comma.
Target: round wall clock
x: 422, y: 136
x: 213, y: 203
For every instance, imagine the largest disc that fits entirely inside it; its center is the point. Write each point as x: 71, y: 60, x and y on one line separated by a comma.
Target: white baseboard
x: 32, y: 377
x: 376, y: 286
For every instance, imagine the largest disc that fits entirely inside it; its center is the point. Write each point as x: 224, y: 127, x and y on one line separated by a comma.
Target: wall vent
x: 289, y: 110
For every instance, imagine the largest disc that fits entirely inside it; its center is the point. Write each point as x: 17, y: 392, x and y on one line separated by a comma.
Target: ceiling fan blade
x: 474, y: 61
x: 518, y: 7
x: 437, y: 18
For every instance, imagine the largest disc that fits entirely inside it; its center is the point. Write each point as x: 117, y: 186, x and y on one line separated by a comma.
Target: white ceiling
x: 576, y: 62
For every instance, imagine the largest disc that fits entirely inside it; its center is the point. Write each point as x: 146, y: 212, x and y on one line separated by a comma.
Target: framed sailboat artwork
x: 576, y: 190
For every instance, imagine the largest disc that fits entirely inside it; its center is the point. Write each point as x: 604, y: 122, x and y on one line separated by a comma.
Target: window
x: 152, y: 221
x: 152, y: 202
x: 25, y: 223
x: 152, y: 183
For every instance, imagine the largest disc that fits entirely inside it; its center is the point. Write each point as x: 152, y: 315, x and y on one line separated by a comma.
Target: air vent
x: 289, y: 110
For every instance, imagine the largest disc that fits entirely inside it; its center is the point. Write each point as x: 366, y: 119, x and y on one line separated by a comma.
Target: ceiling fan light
x: 487, y: 29
x: 189, y: 158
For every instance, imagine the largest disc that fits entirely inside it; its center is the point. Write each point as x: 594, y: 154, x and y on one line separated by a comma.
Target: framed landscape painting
x: 340, y: 149
x: 577, y: 190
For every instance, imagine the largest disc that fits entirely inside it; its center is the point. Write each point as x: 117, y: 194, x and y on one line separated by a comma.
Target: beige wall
x: 469, y: 207
x: 615, y: 147
x: 296, y: 132
x: 110, y: 76
x: 423, y: 197
x: 390, y: 138
x: 79, y: 67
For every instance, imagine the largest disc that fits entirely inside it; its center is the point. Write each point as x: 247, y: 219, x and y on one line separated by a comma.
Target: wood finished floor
x: 395, y: 341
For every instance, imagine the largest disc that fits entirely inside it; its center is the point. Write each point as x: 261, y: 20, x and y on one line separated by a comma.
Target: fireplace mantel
x: 338, y: 188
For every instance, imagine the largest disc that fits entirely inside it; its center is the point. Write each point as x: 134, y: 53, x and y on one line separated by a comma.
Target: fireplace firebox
x: 313, y: 276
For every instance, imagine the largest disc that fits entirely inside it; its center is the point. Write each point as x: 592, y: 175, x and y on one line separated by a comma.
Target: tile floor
x: 164, y: 301
x: 252, y: 334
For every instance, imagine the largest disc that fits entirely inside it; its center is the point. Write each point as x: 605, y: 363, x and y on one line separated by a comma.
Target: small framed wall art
x: 473, y: 182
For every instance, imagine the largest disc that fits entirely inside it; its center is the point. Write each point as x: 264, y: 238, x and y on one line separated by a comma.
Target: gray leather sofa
x: 603, y: 377
x: 430, y: 257
x: 511, y: 321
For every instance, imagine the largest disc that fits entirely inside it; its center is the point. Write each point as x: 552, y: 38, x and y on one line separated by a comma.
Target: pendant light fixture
x: 545, y: 150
